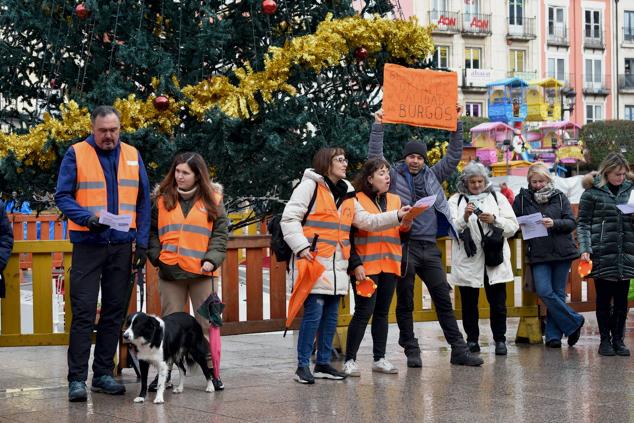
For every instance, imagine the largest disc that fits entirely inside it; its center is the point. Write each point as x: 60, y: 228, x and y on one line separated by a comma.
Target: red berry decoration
x: 82, y: 11
x: 269, y: 7
x: 361, y: 53
x: 53, y: 83
x: 161, y: 103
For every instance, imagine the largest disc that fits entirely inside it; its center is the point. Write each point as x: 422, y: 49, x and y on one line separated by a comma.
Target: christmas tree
x: 255, y: 86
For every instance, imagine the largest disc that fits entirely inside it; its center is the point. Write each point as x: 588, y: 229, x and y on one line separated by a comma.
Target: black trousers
x: 377, y: 307
x: 611, y: 302
x: 94, y: 266
x: 422, y: 258
x: 496, y: 296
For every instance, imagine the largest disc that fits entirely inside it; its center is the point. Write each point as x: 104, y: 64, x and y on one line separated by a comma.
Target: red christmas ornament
x: 53, y: 83
x: 82, y: 11
x: 361, y: 53
x: 269, y: 7
x: 161, y: 103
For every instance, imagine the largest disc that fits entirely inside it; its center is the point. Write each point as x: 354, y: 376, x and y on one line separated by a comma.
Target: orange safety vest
x: 184, y: 240
x: 91, y: 191
x: 332, y: 225
x: 379, y: 251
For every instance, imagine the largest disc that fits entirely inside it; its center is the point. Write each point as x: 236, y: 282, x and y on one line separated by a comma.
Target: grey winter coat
x: 432, y: 178
x: 605, y: 232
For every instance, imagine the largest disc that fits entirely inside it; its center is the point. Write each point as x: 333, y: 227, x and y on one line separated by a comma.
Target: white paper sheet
x: 626, y: 208
x: 426, y: 201
x: 119, y: 222
x: 532, y: 226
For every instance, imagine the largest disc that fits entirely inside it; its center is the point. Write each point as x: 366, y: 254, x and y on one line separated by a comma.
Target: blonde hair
x: 613, y: 161
x: 539, y: 169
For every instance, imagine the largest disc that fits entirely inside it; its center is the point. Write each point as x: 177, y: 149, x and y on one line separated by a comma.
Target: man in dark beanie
x: 412, y: 180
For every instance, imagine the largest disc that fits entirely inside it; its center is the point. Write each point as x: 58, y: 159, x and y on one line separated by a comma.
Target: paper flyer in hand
x: 119, y: 222
x: 532, y: 226
x: 626, y: 208
x: 426, y: 202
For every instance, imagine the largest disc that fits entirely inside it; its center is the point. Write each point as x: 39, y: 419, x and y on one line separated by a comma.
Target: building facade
x: 624, y: 59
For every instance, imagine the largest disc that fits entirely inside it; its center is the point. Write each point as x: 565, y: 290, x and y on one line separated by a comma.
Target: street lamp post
x: 570, y: 95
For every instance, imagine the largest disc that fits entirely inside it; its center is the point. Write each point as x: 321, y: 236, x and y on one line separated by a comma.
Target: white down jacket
x: 469, y: 271
x: 335, y: 279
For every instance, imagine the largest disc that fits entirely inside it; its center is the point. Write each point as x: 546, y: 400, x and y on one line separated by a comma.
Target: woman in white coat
x: 475, y: 209
x: 333, y: 212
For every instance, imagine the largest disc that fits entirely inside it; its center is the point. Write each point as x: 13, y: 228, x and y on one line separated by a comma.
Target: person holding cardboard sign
x: 411, y: 179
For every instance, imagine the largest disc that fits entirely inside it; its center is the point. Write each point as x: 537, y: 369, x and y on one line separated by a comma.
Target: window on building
x: 628, y: 25
x: 593, y: 24
x: 439, y: 5
x: 594, y: 112
x: 517, y: 60
x: 516, y: 12
x: 556, y: 26
x: 441, y: 57
x: 473, y: 109
x: 472, y: 58
x: 557, y: 68
x: 594, y: 73
x: 629, y: 112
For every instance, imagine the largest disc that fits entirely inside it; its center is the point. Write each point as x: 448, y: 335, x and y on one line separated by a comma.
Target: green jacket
x: 605, y: 232
x: 216, y: 249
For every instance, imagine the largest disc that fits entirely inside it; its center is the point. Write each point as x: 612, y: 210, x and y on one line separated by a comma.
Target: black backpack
x: 279, y: 247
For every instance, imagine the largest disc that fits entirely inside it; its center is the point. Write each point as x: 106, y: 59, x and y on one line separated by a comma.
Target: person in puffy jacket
x: 476, y: 209
x: 332, y: 215
x: 606, y: 236
x: 550, y: 256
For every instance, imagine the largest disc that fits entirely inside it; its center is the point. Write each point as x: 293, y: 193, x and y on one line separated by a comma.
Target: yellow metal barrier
x: 10, y: 309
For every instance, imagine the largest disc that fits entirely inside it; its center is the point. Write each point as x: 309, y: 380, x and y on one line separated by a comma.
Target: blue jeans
x: 550, y: 283
x: 320, y: 315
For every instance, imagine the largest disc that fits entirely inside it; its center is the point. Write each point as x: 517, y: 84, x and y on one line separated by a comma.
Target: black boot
x: 618, y: 333
x: 603, y: 320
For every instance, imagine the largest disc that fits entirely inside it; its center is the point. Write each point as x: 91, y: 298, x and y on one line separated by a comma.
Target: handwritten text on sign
x: 420, y: 97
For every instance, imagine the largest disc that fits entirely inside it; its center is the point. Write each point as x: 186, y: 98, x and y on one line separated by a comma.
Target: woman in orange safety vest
x: 375, y: 255
x: 188, y: 235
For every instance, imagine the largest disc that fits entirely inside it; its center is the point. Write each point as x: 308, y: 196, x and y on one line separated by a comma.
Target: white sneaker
x: 384, y: 366
x: 351, y: 369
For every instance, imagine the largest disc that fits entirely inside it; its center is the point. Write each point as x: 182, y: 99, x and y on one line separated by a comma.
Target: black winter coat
x: 6, y: 245
x: 606, y: 233
x: 559, y: 244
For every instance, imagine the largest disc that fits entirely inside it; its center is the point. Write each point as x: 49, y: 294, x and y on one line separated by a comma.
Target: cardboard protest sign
x: 420, y: 97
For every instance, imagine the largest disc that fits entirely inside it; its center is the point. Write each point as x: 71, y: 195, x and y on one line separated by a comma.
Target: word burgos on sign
x: 479, y: 23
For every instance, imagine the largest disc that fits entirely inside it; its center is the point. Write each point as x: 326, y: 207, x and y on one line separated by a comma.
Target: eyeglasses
x: 342, y: 160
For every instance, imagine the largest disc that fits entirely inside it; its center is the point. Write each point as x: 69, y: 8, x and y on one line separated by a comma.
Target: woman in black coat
x: 6, y: 245
x: 606, y: 236
x: 550, y: 256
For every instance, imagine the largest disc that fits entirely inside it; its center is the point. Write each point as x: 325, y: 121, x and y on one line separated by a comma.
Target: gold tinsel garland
x: 327, y: 47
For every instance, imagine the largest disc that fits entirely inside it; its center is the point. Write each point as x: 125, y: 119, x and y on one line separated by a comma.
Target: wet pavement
x: 531, y: 384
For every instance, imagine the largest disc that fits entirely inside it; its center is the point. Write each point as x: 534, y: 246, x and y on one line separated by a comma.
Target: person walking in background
x: 188, y: 237
x: 476, y: 209
x: 6, y: 245
x: 411, y: 179
x: 606, y: 236
x: 550, y: 257
x: 97, y: 175
x: 376, y: 255
x: 334, y: 211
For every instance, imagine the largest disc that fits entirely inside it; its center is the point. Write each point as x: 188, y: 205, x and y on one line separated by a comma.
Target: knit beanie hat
x: 414, y: 147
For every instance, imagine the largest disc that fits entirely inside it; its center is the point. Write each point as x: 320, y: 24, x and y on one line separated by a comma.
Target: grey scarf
x: 543, y: 195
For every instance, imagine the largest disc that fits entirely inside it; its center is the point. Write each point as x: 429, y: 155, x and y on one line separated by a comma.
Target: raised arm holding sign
x: 420, y: 97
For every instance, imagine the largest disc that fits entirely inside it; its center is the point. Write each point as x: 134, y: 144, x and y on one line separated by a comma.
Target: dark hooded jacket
x: 605, y: 232
x: 559, y: 244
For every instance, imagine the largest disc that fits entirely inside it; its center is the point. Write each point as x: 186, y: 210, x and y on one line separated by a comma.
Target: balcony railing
x: 557, y: 35
x: 447, y: 22
x: 594, y: 40
x: 521, y: 29
x: 565, y: 78
x: 596, y: 87
x: 626, y: 82
x: 526, y: 76
x: 476, y: 24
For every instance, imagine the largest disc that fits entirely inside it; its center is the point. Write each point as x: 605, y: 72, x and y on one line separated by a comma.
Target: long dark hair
x: 361, y: 183
x: 205, y: 191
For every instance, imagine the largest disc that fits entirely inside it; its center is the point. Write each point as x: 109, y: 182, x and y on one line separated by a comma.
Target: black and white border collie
x: 175, y: 339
